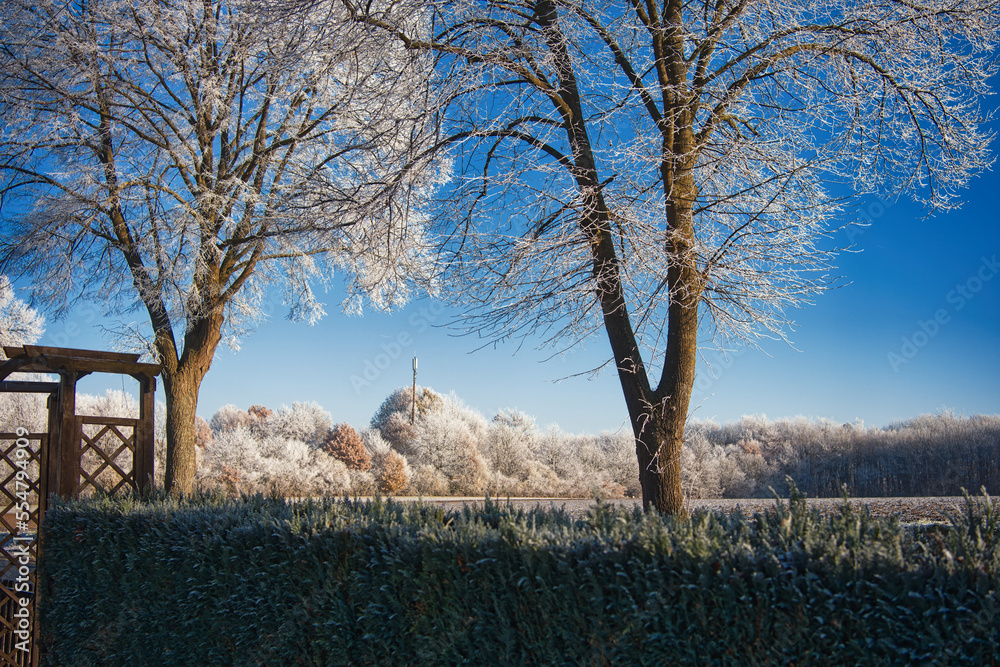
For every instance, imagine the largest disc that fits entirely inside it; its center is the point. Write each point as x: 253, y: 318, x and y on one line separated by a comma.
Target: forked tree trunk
x: 659, y: 428
x: 657, y: 413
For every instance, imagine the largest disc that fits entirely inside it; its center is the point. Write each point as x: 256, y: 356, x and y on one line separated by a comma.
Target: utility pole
x: 413, y: 405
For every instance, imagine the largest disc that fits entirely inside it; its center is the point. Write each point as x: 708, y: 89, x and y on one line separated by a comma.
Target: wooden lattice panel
x: 20, y: 516
x: 107, y: 453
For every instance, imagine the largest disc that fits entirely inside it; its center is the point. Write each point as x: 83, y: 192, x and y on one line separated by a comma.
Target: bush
x: 344, y: 444
x: 393, y: 473
x: 265, y: 582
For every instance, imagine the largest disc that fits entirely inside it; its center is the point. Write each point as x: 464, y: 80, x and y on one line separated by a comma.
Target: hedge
x: 259, y: 581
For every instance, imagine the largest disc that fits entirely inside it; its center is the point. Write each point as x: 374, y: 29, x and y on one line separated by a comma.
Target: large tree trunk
x: 659, y: 424
x: 182, y: 377
x: 658, y: 449
x: 181, y: 390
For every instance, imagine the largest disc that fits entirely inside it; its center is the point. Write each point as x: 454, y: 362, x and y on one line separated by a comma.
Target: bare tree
x: 178, y: 157
x: 665, y: 171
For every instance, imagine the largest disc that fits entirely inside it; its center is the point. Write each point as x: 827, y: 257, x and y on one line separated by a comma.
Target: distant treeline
x: 930, y: 455
x: 451, y: 449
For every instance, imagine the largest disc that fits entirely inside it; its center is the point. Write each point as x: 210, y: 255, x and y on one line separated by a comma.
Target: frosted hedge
x: 259, y: 581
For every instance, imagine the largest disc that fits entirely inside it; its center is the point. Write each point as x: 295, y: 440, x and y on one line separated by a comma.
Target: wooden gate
x: 77, y: 456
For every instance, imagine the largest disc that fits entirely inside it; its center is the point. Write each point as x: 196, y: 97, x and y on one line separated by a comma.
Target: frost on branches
x: 668, y: 172
x: 181, y: 159
x: 19, y: 324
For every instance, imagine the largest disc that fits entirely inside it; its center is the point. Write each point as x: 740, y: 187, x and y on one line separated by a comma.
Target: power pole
x: 413, y: 405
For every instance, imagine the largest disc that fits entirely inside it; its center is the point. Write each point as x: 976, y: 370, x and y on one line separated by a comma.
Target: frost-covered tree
x: 229, y: 417
x: 307, y: 422
x: 249, y: 461
x: 19, y: 323
x: 619, y: 453
x: 509, y: 442
x: 112, y: 403
x: 449, y: 438
x: 180, y: 158
x: 202, y: 432
x: 393, y: 473
x: 662, y: 171
x: 392, y: 419
x: 390, y: 468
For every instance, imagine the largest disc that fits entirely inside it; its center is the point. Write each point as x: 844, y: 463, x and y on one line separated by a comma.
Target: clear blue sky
x: 915, y: 330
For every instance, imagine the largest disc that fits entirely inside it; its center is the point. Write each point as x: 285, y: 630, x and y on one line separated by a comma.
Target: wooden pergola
x: 76, y: 452
x: 63, y: 477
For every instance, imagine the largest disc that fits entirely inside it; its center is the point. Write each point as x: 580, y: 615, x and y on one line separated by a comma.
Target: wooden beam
x: 19, y: 387
x: 42, y: 359
x: 57, y: 364
x: 115, y: 421
x: 9, y: 366
x: 46, y: 351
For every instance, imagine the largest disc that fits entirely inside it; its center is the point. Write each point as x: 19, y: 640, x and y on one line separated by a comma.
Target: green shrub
x: 259, y: 581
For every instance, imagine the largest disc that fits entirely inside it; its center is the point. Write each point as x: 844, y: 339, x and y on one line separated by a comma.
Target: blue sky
x: 914, y: 329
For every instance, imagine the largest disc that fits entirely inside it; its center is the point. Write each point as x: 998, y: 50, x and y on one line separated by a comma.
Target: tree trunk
x: 181, y: 391
x: 182, y: 377
x: 659, y: 428
x: 658, y: 447
x: 658, y: 416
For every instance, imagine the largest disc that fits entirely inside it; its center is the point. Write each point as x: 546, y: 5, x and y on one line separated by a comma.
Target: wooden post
x: 49, y: 459
x: 68, y: 444
x: 145, y: 435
